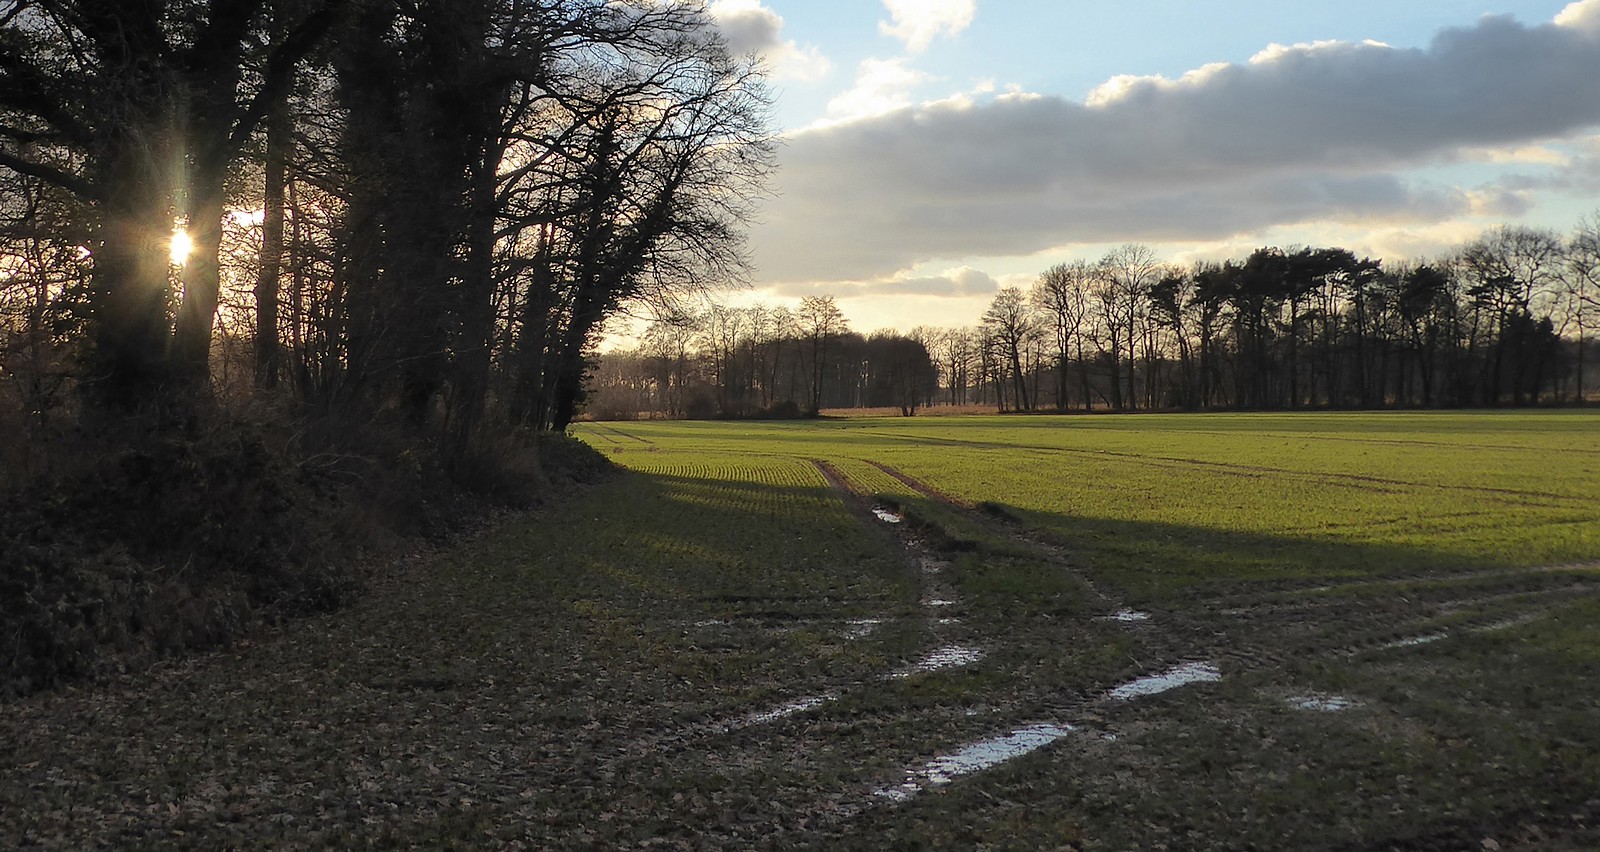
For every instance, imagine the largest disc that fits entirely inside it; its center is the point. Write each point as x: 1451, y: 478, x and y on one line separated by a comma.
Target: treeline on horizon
x: 1503, y: 320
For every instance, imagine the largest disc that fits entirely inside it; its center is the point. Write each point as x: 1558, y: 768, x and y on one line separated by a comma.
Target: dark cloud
x: 1304, y: 133
x: 749, y: 27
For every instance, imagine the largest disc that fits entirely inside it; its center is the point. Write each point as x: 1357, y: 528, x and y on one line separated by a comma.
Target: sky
x: 934, y: 151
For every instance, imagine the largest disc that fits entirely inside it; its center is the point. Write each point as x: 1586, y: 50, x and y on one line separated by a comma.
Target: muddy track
x: 937, y: 596
x: 1317, y: 617
x: 1005, y: 528
x: 1222, y: 631
x: 921, y: 487
x: 1261, y: 630
x: 1266, y: 631
x: 1163, y: 646
x: 610, y: 430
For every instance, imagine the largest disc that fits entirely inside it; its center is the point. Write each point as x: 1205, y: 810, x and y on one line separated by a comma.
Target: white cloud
x: 882, y: 86
x: 750, y: 27
x: 959, y: 282
x: 919, y: 22
x: 1583, y: 15
x: 1392, y: 244
x: 1320, y: 132
x: 1541, y: 155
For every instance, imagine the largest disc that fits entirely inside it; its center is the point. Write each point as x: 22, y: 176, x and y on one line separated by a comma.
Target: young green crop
x: 1161, y: 502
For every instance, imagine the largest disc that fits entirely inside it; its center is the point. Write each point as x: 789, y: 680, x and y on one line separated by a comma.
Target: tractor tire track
x: 1258, y: 631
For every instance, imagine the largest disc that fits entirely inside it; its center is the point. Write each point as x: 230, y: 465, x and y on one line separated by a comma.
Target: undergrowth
x: 117, y: 550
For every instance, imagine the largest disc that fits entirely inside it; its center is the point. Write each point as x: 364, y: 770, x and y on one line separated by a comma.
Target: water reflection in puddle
x: 975, y: 757
x: 1129, y: 615
x: 949, y: 657
x: 886, y: 516
x: 1170, y: 679
x: 1321, y: 703
x: 985, y: 754
x: 799, y: 705
x: 1413, y: 641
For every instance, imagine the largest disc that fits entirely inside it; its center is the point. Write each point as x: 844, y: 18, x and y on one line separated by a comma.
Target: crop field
x: 1334, y: 632
x: 1391, y: 621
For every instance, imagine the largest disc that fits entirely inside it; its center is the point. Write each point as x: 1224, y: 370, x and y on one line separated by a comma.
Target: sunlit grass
x: 1163, y: 501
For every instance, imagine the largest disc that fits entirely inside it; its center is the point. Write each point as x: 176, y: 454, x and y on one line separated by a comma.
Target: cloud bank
x: 1300, y: 133
x: 750, y: 27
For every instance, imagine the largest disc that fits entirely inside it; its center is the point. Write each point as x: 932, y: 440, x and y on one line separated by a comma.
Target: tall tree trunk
x: 267, y: 349
x: 130, y: 329
x: 1020, y: 379
x: 202, y: 279
x: 477, y: 288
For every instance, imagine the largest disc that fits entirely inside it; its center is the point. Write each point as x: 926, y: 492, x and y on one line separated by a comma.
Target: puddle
x: 886, y: 516
x: 1129, y: 616
x: 1509, y: 623
x: 976, y: 757
x: 949, y: 657
x: 1170, y: 679
x: 1413, y: 641
x: 799, y: 705
x: 1321, y: 703
x: 861, y: 628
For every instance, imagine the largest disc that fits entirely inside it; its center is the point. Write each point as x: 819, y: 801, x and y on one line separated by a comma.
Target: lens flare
x: 181, y: 246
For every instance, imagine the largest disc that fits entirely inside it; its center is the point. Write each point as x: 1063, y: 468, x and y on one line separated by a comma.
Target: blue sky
x: 938, y: 149
x: 1068, y: 47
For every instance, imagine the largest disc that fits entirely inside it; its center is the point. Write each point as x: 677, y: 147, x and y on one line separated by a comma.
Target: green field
x: 1380, y: 632
x: 1162, y: 502
x: 1439, y: 573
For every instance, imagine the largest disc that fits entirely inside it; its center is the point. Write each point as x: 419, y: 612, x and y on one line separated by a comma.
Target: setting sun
x: 181, y: 246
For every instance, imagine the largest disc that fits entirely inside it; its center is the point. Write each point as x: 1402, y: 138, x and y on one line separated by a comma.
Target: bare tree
x: 1582, y: 283
x: 1129, y: 271
x: 1062, y: 295
x: 140, y: 113
x: 1011, y: 323
x: 1514, y: 272
x: 820, y: 323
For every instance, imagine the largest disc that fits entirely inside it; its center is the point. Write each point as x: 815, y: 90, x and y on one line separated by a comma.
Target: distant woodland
x: 1504, y: 320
